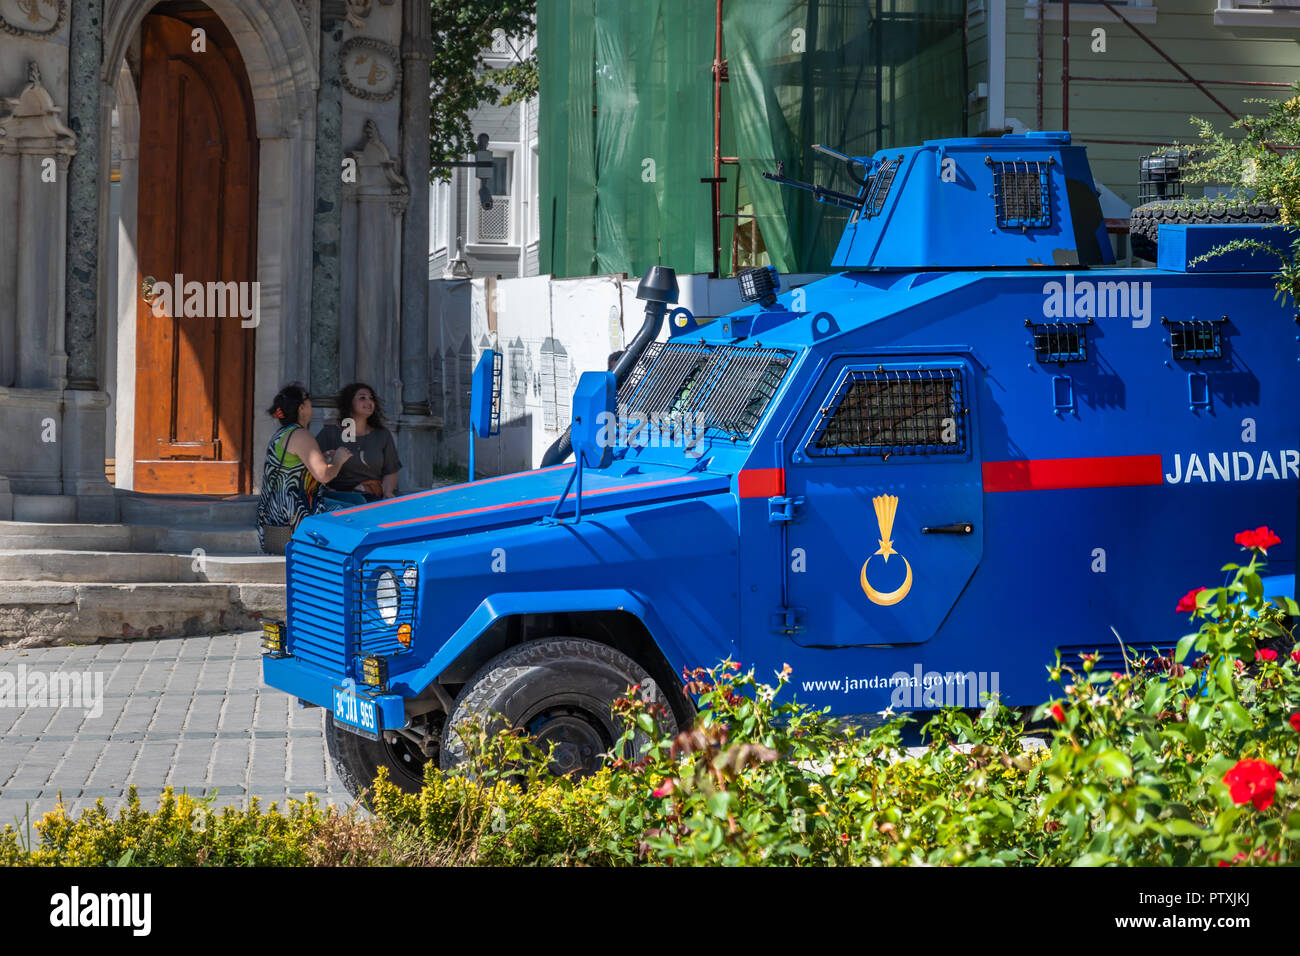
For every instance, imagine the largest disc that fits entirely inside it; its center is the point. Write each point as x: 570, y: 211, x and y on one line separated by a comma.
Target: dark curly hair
x: 288, y: 400
x: 348, y: 392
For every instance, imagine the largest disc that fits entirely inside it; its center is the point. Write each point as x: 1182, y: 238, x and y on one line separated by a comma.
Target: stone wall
x: 341, y: 261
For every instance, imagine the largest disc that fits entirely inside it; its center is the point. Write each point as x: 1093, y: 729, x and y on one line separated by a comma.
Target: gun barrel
x: 821, y: 193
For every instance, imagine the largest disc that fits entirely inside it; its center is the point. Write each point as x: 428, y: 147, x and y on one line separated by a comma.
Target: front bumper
x: 315, y: 685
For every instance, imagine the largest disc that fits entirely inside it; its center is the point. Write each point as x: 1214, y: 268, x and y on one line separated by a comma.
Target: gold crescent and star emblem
x: 886, y: 506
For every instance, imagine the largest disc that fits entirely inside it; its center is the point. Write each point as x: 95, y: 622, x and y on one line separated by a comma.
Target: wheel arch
x: 617, y: 619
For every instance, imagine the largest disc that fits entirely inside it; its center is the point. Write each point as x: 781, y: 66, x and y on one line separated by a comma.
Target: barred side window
x: 916, y: 411
x: 1022, y: 194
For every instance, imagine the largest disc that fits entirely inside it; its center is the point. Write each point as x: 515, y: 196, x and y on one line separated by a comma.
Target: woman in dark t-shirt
x: 372, y: 469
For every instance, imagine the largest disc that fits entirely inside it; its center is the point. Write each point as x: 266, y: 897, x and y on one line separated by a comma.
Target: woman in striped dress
x: 295, y: 469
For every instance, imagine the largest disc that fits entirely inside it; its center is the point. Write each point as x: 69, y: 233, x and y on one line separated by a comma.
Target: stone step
x: 127, y: 537
x: 42, y: 614
x: 45, y: 507
x: 133, y: 507
x: 56, y: 566
x: 236, y: 511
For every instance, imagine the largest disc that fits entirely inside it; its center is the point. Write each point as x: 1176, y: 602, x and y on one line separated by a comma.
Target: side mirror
x: 593, y: 431
x: 485, y: 396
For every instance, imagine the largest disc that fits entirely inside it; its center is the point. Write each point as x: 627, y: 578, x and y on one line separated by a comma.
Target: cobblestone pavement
x: 190, y: 713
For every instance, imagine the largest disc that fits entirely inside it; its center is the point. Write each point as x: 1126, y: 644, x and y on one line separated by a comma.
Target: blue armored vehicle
x: 915, y: 481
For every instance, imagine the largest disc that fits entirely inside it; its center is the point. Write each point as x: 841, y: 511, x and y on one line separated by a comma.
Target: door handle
x: 961, y: 527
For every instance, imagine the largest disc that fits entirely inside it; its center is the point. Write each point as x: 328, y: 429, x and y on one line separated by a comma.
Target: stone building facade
x: 266, y: 158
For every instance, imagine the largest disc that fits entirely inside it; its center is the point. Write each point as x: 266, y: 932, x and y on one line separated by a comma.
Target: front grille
x: 317, y: 603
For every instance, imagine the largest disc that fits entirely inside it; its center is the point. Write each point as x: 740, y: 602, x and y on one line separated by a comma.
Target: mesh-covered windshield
x: 693, y: 387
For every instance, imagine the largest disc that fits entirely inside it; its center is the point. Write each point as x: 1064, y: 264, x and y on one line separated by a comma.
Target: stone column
x: 35, y: 150
x: 372, y: 230
x: 417, y: 50
x: 84, y: 52
x: 328, y: 216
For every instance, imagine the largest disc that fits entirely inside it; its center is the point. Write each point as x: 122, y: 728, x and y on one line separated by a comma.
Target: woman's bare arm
x: 303, y: 444
x: 390, y: 485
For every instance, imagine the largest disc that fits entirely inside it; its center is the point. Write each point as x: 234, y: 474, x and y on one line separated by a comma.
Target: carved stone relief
x: 358, y: 10
x: 378, y: 176
x: 33, y: 18
x: 307, y: 11
x: 32, y: 122
x: 371, y: 69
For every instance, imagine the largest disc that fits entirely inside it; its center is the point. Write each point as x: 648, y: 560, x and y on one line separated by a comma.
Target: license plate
x: 355, y: 713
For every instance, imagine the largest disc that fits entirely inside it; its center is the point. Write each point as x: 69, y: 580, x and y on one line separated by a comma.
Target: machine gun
x: 821, y: 193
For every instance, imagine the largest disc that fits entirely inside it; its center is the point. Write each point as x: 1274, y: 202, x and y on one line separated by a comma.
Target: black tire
x: 357, y: 760
x: 558, y: 689
x: 1144, y: 224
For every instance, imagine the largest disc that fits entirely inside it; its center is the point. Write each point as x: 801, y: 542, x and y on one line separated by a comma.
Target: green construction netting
x: 626, y: 125
x: 625, y: 135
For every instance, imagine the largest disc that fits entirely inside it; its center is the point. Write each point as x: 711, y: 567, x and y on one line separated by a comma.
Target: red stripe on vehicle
x: 532, y: 501
x: 438, y: 491
x: 761, y: 482
x: 1044, y: 474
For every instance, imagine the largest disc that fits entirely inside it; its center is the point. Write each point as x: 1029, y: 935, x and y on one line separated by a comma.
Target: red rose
x: 1295, y: 655
x: 1254, y: 782
x: 1295, y: 723
x: 665, y: 788
x: 1187, y: 603
x: 1058, y: 713
x: 1261, y: 538
x: 1266, y: 654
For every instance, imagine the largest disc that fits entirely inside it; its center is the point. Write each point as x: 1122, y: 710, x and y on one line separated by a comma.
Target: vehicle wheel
x: 1144, y: 224
x: 559, y: 690
x: 357, y: 760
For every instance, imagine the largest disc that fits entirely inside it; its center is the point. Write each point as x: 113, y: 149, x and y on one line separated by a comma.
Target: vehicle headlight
x: 387, y: 598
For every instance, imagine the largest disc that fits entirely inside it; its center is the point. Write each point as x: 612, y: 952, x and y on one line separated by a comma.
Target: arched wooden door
x: 197, y: 233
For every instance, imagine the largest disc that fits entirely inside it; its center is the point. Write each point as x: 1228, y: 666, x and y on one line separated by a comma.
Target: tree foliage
x: 1259, y: 159
x: 460, y: 81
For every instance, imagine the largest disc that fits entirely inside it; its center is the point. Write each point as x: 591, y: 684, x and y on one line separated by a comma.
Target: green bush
x: 182, y: 832
x: 1257, y: 161
x: 1164, y: 763
x: 1188, y: 759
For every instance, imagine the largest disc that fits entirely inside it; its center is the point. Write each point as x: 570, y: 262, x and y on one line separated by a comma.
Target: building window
x: 1135, y: 11
x: 1256, y: 13
x: 495, y: 226
x: 439, y: 212
x: 503, y: 50
x: 534, y: 221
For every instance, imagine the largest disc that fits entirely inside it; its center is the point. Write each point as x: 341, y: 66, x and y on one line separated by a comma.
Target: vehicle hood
x: 506, y: 500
